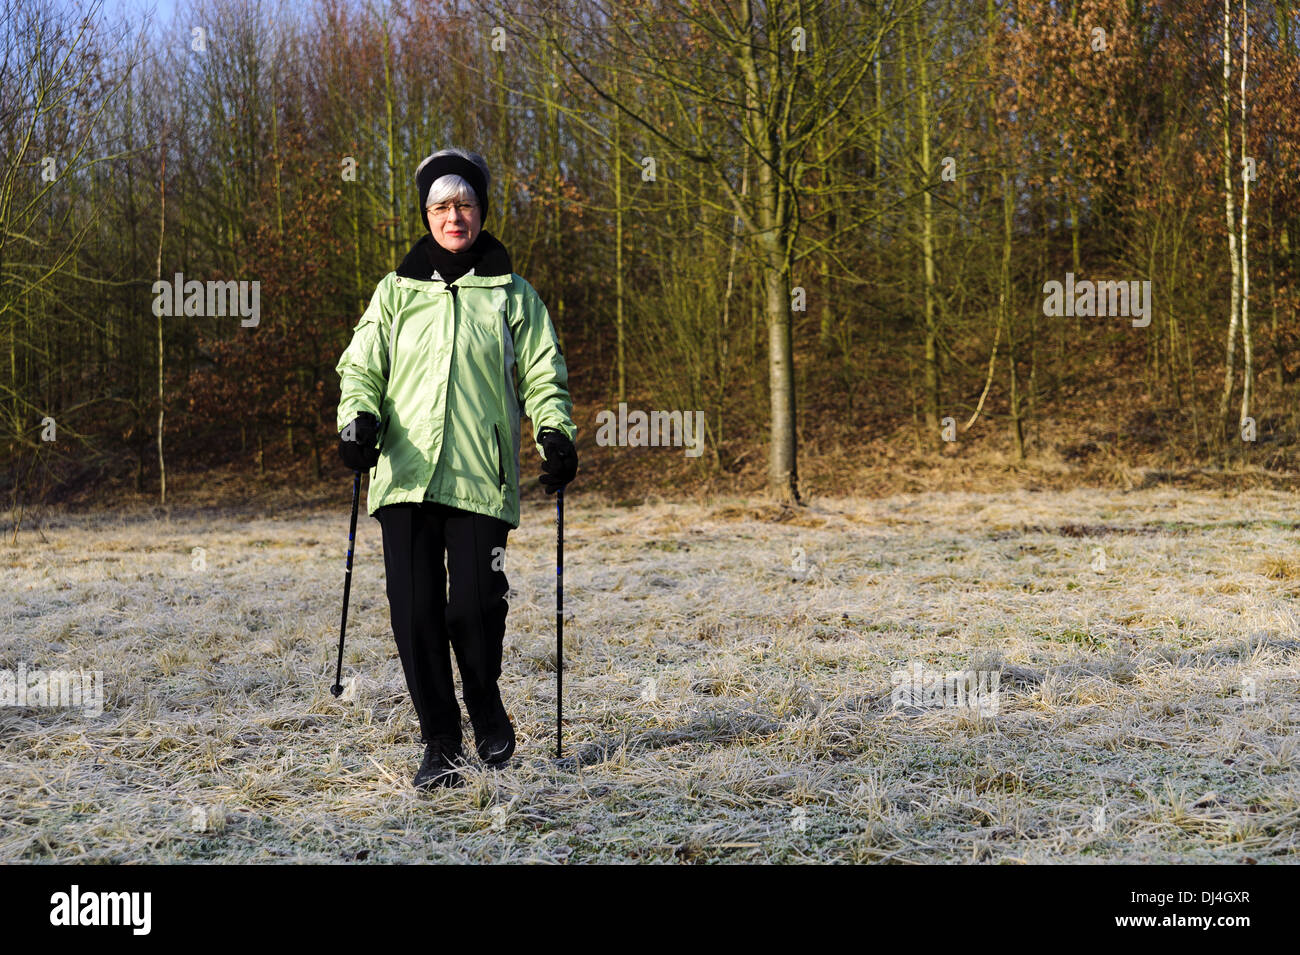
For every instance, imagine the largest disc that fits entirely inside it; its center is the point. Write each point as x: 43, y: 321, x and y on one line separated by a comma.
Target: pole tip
x: 337, y: 690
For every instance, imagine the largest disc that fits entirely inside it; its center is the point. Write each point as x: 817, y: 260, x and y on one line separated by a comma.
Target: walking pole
x: 559, y: 622
x: 337, y: 688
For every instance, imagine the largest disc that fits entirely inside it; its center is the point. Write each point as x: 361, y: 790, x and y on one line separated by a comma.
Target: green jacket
x: 445, y: 369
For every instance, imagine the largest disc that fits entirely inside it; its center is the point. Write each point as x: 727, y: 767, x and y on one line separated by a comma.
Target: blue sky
x: 135, y: 10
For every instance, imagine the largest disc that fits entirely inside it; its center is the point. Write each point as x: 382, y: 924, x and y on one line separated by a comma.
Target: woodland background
x: 826, y: 224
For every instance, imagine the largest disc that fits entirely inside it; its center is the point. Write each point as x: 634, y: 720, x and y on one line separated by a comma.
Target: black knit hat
x: 450, y: 165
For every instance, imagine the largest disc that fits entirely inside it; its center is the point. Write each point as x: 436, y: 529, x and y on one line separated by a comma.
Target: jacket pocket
x: 501, y: 470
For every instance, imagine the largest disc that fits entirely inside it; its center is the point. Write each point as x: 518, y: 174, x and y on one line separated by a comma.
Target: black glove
x: 561, y: 464
x: 357, y: 442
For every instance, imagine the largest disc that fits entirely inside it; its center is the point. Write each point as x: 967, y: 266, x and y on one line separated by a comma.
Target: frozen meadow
x: 733, y: 678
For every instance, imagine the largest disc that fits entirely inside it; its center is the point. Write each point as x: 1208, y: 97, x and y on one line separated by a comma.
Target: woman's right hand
x: 357, y: 445
x: 560, y: 465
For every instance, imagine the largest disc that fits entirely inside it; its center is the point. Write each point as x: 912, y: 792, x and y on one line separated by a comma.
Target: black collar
x: 487, y: 256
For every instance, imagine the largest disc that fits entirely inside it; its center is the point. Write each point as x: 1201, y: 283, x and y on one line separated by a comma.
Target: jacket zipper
x: 496, y: 438
x: 452, y: 290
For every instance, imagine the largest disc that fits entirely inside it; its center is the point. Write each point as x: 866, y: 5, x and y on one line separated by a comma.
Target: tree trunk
x: 1247, y: 342
x: 1230, y: 214
x: 774, y: 227
x: 618, y: 249
x: 782, y: 476
x: 930, y: 370
x: 395, y: 221
x: 162, y: 226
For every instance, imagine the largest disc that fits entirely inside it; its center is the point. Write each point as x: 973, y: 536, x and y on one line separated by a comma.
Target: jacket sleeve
x: 363, y: 368
x: 542, y: 377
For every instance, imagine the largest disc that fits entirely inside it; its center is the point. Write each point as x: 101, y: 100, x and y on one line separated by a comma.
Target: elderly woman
x: 452, y: 343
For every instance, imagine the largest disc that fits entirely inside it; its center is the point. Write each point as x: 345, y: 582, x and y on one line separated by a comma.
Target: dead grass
x: 728, y: 687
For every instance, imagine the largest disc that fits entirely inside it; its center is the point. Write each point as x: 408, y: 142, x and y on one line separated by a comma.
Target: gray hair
x: 451, y: 188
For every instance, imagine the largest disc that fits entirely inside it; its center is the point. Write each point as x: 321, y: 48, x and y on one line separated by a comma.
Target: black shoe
x: 442, y: 766
x: 494, y: 736
x: 497, y: 747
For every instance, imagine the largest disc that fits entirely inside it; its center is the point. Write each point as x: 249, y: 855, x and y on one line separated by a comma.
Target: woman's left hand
x: 561, y: 464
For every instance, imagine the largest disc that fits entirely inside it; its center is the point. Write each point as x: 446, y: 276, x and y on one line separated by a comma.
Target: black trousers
x: 427, y: 616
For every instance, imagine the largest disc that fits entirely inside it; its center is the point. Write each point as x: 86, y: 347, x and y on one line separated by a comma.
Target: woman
x: 450, y: 346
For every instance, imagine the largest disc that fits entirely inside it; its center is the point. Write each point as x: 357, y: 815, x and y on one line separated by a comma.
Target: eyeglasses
x: 442, y: 208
